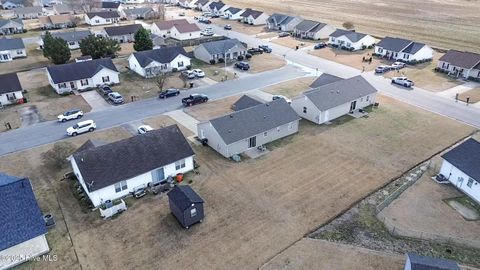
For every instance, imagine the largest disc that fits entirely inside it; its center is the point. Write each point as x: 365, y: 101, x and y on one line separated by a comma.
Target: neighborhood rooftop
x: 418, y: 262
x: 400, y: 45
x: 137, y: 11
x: 77, y: 71
x: 251, y: 12
x: 103, y: 14
x: 164, y: 25
x: 351, y: 35
x: 187, y: 28
x: 218, y: 5
x: 108, y: 164
x: 55, y: 19
x: 245, y: 102
x: 254, y: 120
x: 233, y: 10
x: 466, y: 157
x: 122, y: 29
x: 26, y: 10
x: 461, y: 59
x: 72, y: 36
x: 324, y: 79
x: 310, y: 26
x: 162, y: 55
x: 6, y: 21
x: 11, y: 44
x: 112, y: 5
x: 278, y: 18
x: 220, y: 46
x: 9, y: 83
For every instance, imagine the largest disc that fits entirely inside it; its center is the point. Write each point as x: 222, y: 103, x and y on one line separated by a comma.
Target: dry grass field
x: 353, y: 59
x: 265, y: 62
x: 293, y: 43
x: 473, y: 94
x: 212, y: 109
x: 291, y: 88
x: 444, y: 24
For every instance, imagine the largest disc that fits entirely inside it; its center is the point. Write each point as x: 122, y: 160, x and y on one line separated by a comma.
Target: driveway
x: 95, y: 100
x: 29, y: 116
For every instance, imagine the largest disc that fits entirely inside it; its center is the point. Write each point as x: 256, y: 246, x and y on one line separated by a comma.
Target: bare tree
x: 161, y: 12
x: 161, y: 79
x: 348, y: 25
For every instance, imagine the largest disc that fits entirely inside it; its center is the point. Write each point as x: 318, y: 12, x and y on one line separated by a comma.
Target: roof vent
x: 229, y: 131
x: 231, y: 115
x: 264, y: 117
x: 338, y: 91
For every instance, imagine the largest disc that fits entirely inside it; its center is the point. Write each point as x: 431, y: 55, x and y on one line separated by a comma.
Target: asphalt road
x: 51, y: 131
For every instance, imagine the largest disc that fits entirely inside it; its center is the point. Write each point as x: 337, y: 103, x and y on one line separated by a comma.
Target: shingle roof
x: 162, y: 55
x: 309, y: 26
x: 122, y: 30
x: 413, y: 48
x: 73, y: 36
x: 89, y: 144
x: 165, y: 25
x: 461, y: 59
x: 217, y: 5
x: 4, y: 22
x: 56, y: 19
x: 137, y: 11
x: 11, y: 44
x: 21, y: 217
x: 62, y: 8
x: 221, y: 46
x: 183, y: 197
x: 187, y: 28
x: 429, y: 263
x: 203, y: 2
x: 77, y: 71
x: 351, y: 35
x: 245, y: 102
x: 27, y: 10
x: 466, y: 158
x: 254, y: 13
x: 394, y: 44
x: 111, y: 163
x: 9, y: 83
x: 249, y: 122
x: 324, y: 79
x: 340, y: 92
x: 110, y: 5
x: 233, y: 10
x: 103, y: 14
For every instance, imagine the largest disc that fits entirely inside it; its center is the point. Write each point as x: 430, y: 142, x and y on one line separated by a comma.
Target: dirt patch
x: 292, y: 42
x: 353, y: 59
x: 216, y: 72
x: 473, y: 94
x: 212, y: 109
x: 291, y: 88
x: 241, y: 27
x: 264, y: 62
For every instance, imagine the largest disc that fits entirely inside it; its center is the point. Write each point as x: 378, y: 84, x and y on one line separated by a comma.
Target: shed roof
x: 161, y: 55
x: 11, y: 44
x: 9, y: 83
x: 245, y: 102
x: 429, y: 263
x: 78, y: 71
x: 184, y: 196
x: 122, y: 30
x: 466, y: 158
x: 461, y: 59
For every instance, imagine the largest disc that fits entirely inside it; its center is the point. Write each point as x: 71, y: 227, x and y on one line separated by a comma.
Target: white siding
x: 312, y: 113
x: 156, y: 31
x: 180, y: 63
x: 184, y: 36
x: 9, y: 98
x: 344, y: 41
x: 460, y: 180
x: 92, y: 82
x: 20, y: 253
x: 100, y: 21
x: 9, y: 55
x: 423, y: 54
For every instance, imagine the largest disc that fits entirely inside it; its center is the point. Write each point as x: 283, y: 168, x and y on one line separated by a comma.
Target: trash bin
x: 179, y: 177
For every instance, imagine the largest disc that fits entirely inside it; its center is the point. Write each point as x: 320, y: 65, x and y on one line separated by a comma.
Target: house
x: 404, y: 50
x: 333, y: 100
x: 350, y: 40
x: 309, y: 29
x: 10, y: 89
x: 144, y: 13
x: 461, y: 166
x: 227, y: 49
x: 460, y: 64
x: 111, y: 6
x: 217, y: 8
x: 254, y: 17
x: 245, y: 102
x: 417, y: 262
x: 102, y: 17
x: 153, y: 62
x: 186, y: 205
x: 112, y: 171
x: 81, y: 76
x: 163, y: 28
x: 63, y: 9
x: 122, y: 33
x: 11, y: 4
x: 282, y: 22
x: 202, y: 5
x: 29, y: 12
x: 133, y: 2
x: 23, y: 230
x: 12, y: 26
x: 189, y: 4
x: 56, y: 21
x: 233, y: 13
x: 72, y: 38
x: 11, y: 48
x: 185, y: 31
x: 324, y: 79
x: 246, y: 129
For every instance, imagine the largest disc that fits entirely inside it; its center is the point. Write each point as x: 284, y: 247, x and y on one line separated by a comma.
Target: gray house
x: 229, y: 49
x: 333, y: 100
x: 283, y: 22
x: 143, y: 13
x: 73, y: 38
x: 309, y: 29
x: 11, y: 4
x: 417, y: 262
x: 249, y: 128
x: 123, y: 33
x: 11, y: 48
x: 13, y: 26
x: 186, y: 205
x: 29, y: 12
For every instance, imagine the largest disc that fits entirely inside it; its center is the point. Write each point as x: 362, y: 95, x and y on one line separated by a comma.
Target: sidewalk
x: 184, y: 119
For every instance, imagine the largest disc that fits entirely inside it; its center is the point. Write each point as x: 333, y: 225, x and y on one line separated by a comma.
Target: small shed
x: 186, y: 205
x: 418, y: 262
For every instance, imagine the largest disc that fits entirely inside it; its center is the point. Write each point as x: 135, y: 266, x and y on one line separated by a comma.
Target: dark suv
x: 254, y: 51
x: 265, y: 48
x: 194, y: 99
x: 105, y: 89
x: 169, y: 93
x: 242, y: 65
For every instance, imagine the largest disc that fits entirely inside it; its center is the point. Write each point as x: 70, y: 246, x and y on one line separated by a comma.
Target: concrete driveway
x: 95, y: 100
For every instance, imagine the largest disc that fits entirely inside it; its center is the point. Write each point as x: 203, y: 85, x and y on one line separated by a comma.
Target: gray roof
x: 9, y: 83
x: 78, y: 71
x: 254, y: 120
x: 309, y: 26
x: 218, y: 5
x: 62, y: 8
x: 221, y: 46
x: 27, y: 10
x: 413, y: 48
x: 89, y: 144
x: 324, y: 79
x: 394, y: 44
x: 340, y: 92
x: 351, y: 35
x: 202, y: 2
x: 112, y: 5
x: 162, y: 55
x: 461, y: 59
x: 122, y: 30
x: 17, y: 2
x: 11, y: 44
x: 183, y: 197
x: 4, y: 22
x: 73, y: 36
x: 245, y: 102
x: 137, y: 11
x: 418, y: 262
x: 280, y: 19
x: 233, y: 10
x: 108, y: 164
x: 103, y: 14
x: 254, y: 13
x: 466, y: 158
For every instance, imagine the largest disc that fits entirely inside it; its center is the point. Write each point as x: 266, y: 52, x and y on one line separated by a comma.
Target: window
x: 265, y: 134
x: 290, y: 126
x: 97, y: 21
x: 193, y: 212
x: 71, y: 43
x: 278, y: 129
x: 470, y: 182
x: 106, y: 79
x: 180, y: 64
x: 368, y: 98
x: 62, y: 85
x: 180, y: 164
x: 120, y: 186
x: 84, y: 82
x: 304, y: 109
x: 19, y: 52
x: 380, y: 50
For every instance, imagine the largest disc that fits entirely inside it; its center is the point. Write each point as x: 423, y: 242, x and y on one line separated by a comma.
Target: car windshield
x: 75, y: 126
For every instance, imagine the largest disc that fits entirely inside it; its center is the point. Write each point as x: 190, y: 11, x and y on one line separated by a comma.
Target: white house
x: 233, y: 13
x: 102, y: 17
x: 333, y: 100
x: 254, y: 17
x: 202, y: 5
x: 10, y: 89
x: 185, y: 31
x: 81, y: 76
x: 350, y: 40
x: 29, y: 12
x: 153, y: 62
x: 216, y: 8
x: 228, y: 49
x: 418, y: 262
x: 112, y: 171
x: 461, y: 166
x: 11, y: 4
x: 22, y: 237
x: 13, y: 26
x: 189, y: 4
x: 122, y: 33
x: 309, y: 29
x: 403, y: 50
x: 11, y: 48
x: 163, y: 28
x: 72, y: 38
x: 459, y: 64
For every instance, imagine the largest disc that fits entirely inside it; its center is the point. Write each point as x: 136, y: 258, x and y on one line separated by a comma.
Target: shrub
x: 221, y: 60
x: 335, y: 45
x: 212, y: 62
x: 240, y: 58
x: 370, y: 47
x: 56, y: 158
x: 248, y: 56
x: 474, y: 79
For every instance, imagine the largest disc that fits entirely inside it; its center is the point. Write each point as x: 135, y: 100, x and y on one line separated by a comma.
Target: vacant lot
x: 163, y: 121
x: 353, y: 59
x: 215, y: 72
x: 444, y: 24
x: 242, y: 27
x: 473, y: 94
x: 293, y: 43
x: 212, y: 109
x: 291, y: 88
x: 264, y: 62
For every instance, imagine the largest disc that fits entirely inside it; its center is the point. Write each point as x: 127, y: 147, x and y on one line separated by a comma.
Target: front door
x: 353, y: 105
x: 252, y: 142
x: 72, y: 85
x: 158, y: 175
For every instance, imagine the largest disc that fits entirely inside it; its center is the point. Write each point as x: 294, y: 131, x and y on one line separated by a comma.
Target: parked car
x: 320, y: 45
x: 188, y: 74
x: 115, y: 97
x: 227, y: 27
x: 254, y: 51
x: 204, y: 20
x: 194, y: 99
x: 198, y: 73
x: 171, y: 92
x: 207, y: 32
x: 105, y: 89
x: 403, y: 81
x: 81, y: 127
x: 397, y: 65
x: 382, y: 69
x: 215, y: 16
x: 283, y: 34
x: 265, y: 48
x: 242, y: 65
x: 144, y: 129
x: 69, y: 115
x: 207, y: 14
x: 275, y: 97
